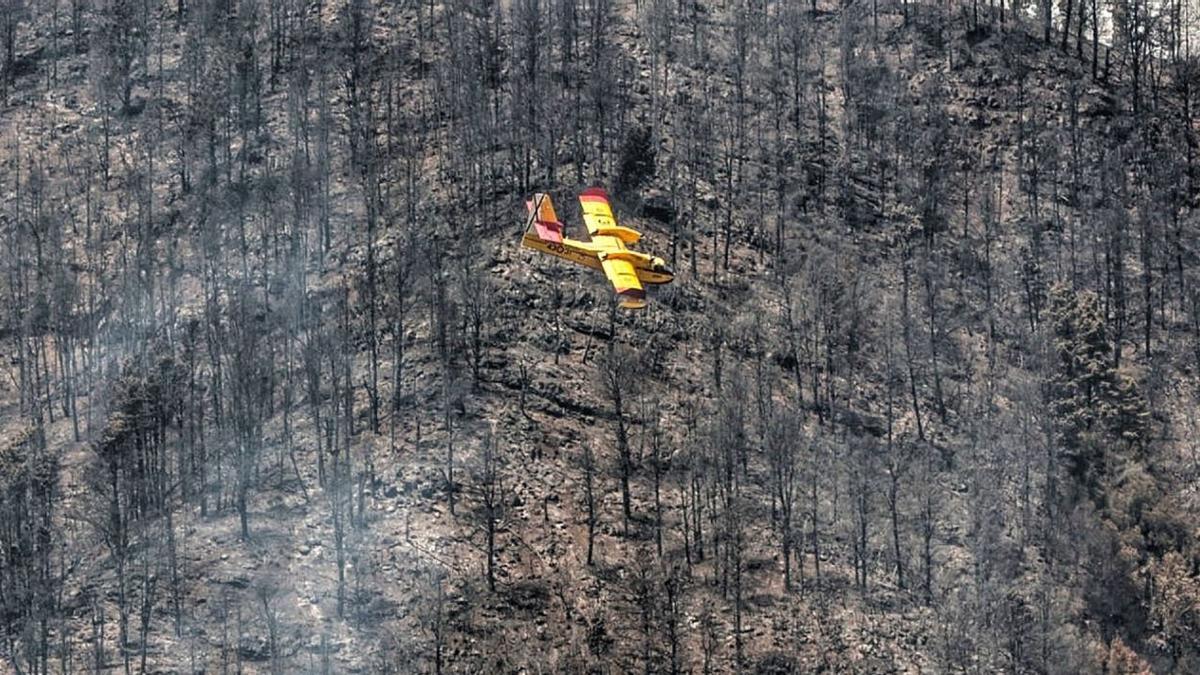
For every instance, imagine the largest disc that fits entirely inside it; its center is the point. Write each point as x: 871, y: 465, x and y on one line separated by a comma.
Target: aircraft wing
x: 625, y: 281
x: 598, y: 216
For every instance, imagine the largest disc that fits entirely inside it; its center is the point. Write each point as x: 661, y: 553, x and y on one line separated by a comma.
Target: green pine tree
x: 1097, y: 408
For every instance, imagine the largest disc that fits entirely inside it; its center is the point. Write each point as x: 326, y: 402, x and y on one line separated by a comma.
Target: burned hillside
x: 284, y: 394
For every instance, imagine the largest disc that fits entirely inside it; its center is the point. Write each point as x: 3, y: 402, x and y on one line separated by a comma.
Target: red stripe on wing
x: 594, y: 194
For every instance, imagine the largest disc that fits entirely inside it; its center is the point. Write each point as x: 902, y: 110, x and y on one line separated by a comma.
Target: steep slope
x: 285, y: 395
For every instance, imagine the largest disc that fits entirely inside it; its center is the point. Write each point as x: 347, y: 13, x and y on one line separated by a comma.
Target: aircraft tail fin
x: 545, y: 221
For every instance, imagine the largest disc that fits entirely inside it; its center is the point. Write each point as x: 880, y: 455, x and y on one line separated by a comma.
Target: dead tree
x: 619, y: 378
x: 491, y: 497
x: 784, y: 443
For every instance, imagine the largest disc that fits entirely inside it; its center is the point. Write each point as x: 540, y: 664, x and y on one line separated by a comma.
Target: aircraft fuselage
x: 588, y: 254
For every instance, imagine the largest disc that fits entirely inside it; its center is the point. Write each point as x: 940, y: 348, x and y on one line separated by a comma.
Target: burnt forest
x: 281, y: 391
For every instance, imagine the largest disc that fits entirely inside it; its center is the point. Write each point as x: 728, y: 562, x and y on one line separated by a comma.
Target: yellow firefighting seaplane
x: 626, y: 269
